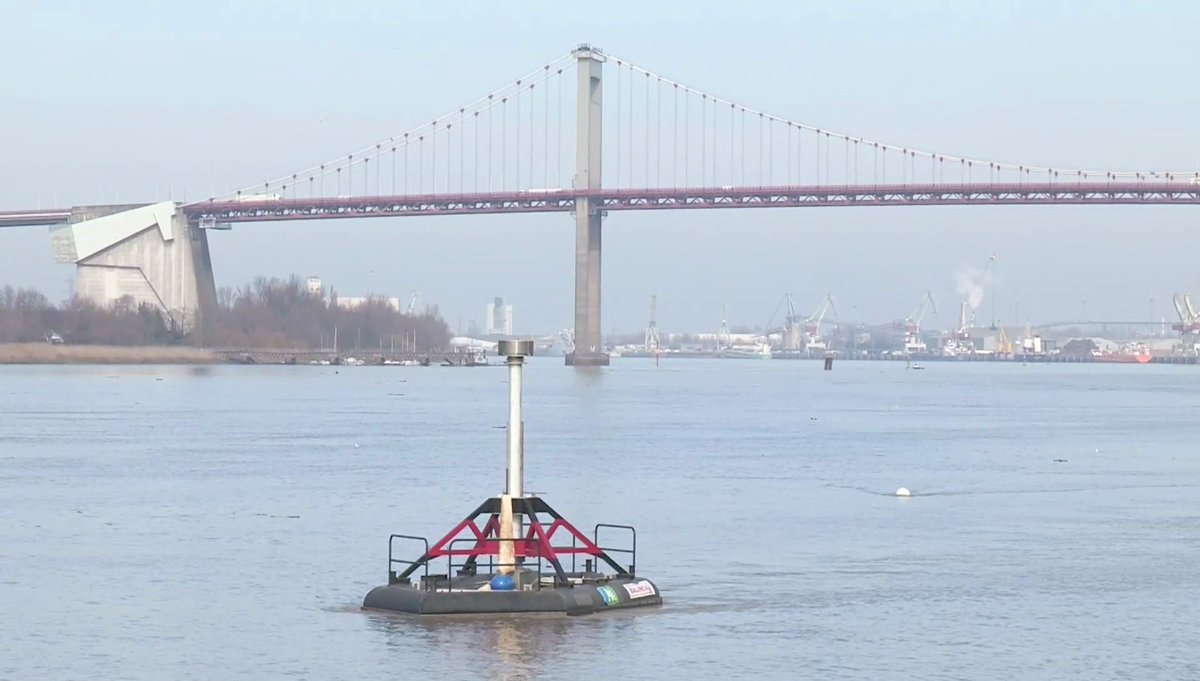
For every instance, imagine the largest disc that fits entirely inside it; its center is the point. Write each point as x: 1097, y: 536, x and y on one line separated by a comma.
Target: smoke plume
x: 972, y: 283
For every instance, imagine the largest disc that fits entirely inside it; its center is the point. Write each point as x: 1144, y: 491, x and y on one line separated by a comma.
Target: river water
x: 225, y: 523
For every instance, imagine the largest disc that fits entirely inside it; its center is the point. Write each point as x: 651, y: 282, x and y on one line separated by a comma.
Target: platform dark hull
x: 581, y: 599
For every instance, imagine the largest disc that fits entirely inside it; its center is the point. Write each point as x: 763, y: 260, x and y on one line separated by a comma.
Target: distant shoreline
x: 44, y: 353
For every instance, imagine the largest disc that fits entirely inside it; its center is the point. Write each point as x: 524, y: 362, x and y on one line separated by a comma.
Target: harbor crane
x: 652, y: 342
x: 1189, y: 322
x: 724, y: 337
x: 813, y: 342
x: 791, y: 333
x: 912, y: 325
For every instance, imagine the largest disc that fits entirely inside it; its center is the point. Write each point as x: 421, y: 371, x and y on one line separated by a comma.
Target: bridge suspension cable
x: 447, y: 139
x: 659, y: 134
x: 942, y: 167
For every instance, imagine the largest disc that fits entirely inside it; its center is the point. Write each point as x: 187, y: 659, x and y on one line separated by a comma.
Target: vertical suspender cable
x: 503, y: 143
x: 799, y: 155
x: 489, y: 149
x: 517, y: 142
x: 675, y: 136
x: 532, y: 116
x: 558, y: 124
x: 658, y: 134
x: 703, y: 140
x: 744, y: 153
x: 760, y: 150
x: 619, y: 116
x: 686, y: 138
x: 546, y: 129
x: 789, y: 154
x: 818, y: 159
x: 855, y: 161
x: 770, y: 151
x: 647, y: 135
x: 629, y: 131
x: 828, y: 153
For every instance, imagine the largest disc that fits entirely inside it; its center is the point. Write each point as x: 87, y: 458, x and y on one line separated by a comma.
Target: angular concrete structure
x: 149, y: 253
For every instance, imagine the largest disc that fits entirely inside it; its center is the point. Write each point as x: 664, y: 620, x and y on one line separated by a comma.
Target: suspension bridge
x: 587, y: 134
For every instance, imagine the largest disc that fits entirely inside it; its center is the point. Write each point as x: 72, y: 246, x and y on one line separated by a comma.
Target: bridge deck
x: 563, y: 200
x: 35, y: 217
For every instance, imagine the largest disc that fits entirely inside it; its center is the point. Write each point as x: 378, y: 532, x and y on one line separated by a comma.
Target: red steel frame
x: 537, y: 541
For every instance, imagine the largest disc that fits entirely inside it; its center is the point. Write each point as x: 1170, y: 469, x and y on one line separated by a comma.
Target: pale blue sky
x: 123, y: 100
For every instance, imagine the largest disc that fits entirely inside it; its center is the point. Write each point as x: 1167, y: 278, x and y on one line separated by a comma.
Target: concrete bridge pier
x: 589, y: 344
x: 148, y: 253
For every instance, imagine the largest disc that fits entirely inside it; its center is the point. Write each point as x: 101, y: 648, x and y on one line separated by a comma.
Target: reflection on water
x: 504, y: 648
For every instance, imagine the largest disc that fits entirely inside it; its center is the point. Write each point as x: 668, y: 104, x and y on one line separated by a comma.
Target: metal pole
x: 516, y: 458
x: 515, y: 351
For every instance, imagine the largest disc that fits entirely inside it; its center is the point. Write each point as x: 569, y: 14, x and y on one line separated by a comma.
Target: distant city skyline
x: 106, y: 129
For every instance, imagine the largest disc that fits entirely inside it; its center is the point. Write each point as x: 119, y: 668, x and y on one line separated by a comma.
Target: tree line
x: 281, y: 313
x: 266, y: 313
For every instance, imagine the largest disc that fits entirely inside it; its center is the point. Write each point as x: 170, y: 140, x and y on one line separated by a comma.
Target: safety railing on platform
x: 393, y: 561
x: 631, y: 551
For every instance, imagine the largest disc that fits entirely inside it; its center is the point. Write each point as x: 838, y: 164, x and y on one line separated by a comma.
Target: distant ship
x: 1127, y: 355
x: 758, y: 351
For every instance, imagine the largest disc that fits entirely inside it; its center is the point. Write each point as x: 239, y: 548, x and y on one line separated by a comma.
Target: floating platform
x: 470, y: 595
x: 455, y: 575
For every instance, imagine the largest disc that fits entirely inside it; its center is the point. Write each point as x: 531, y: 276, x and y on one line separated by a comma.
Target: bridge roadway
x: 35, y: 217
x: 564, y: 200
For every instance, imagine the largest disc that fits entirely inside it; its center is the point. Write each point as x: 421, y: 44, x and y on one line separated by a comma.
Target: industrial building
x: 499, y: 318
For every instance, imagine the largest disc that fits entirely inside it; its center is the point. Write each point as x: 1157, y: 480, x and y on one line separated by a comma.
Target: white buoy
x: 903, y: 492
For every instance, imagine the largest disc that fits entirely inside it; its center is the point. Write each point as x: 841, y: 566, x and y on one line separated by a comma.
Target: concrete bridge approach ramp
x: 149, y: 253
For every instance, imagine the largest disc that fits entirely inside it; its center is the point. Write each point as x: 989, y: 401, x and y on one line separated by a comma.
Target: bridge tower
x: 589, y: 347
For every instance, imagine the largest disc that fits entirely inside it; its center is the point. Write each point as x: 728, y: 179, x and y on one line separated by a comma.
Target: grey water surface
x: 225, y: 522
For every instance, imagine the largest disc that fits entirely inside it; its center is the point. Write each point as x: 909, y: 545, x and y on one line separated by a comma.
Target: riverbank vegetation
x: 268, y: 313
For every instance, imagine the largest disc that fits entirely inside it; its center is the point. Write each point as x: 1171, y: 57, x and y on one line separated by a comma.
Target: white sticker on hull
x: 640, y: 589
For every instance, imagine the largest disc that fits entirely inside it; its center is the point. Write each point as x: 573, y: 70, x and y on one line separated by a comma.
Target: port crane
x: 813, y: 342
x: 790, y: 333
x: 652, y: 342
x: 912, y: 325
x: 1189, y: 322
